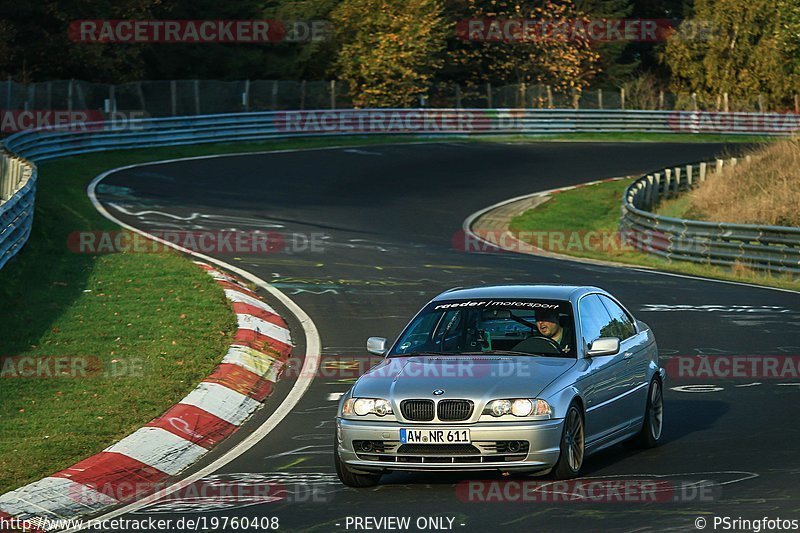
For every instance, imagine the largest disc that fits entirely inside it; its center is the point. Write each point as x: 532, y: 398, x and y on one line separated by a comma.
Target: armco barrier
x: 39, y: 145
x: 770, y: 248
x: 17, y: 191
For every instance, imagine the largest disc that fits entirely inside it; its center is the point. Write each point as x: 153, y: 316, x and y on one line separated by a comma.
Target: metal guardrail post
x: 771, y: 248
x: 667, y: 183
x: 12, y: 183
x: 657, y: 189
x: 677, y: 188
x: 650, y: 192
x: 720, y: 162
x: 3, y: 179
x: 17, y: 188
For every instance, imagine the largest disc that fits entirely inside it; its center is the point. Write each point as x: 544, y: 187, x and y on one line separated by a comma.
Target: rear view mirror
x: 603, y: 346
x: 376, y: 345
x: 496, y: 314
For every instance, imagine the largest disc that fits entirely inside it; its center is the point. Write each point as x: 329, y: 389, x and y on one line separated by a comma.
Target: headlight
x: 521, y: 407
x: 367, y: 406
x: 500, y: 407
x: 518, y: 407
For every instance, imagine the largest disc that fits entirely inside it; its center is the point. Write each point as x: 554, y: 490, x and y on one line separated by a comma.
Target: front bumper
x: 489, y: 451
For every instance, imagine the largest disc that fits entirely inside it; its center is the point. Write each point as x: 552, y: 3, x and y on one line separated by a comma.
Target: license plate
x: 434, y: 436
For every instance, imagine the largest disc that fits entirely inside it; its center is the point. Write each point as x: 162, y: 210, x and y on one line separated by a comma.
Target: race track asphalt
x: 386, y: 217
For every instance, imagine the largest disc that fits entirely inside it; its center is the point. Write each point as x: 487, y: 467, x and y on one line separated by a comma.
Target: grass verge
x: 94, y: 346
x: 762, y: 190
x: 141, y: 329
x: 596, y: 208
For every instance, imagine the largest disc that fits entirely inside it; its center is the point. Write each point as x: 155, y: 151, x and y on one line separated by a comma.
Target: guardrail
x: 17, y: 191
x: 39, y: 145
x: 771, y: 248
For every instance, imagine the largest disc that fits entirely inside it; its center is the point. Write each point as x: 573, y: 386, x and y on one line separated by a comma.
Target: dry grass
x: 765, y: 190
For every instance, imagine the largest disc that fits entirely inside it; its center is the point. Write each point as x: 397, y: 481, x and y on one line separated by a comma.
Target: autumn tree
x: 308, y: 60
x: 743, y: 49
x: 559, y: 55
x: 389, y: 49
x: 615, y: 63
x: 38, y: 45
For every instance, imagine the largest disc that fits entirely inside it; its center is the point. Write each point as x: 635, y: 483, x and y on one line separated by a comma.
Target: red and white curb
x: 142, y: 463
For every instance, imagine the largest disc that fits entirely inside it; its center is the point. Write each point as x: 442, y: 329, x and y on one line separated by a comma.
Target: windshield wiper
x: 502, y: 352
x: 417, y: 354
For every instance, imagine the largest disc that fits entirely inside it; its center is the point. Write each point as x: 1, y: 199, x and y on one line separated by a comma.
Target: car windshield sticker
x: 488, y: 304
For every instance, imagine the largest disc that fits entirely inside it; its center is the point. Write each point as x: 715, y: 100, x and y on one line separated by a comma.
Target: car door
x: 634, y: 370
x: 603, y: 382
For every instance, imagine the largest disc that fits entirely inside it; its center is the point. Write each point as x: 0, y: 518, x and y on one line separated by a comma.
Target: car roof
x: 546, y: 292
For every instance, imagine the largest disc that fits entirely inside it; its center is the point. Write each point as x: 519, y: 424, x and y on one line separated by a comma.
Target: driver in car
x: 548, y: 326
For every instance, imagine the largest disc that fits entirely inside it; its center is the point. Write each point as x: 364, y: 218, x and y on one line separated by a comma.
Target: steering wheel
x: 542, y: 345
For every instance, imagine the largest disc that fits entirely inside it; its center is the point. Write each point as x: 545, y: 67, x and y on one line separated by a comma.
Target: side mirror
x: 603, y: 346
x: 376, y: 345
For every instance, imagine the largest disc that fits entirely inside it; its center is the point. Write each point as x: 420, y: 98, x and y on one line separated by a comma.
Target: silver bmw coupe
x: 522, y: 378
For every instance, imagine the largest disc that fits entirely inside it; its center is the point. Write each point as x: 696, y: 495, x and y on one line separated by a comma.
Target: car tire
x: 653, y: 424
x: 349, y: 478
x: 573, y: 445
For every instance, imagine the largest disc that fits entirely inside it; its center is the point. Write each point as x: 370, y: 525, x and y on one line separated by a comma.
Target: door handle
x: 627, y: 355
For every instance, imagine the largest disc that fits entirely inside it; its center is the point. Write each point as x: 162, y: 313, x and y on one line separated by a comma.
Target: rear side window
x: 621, y: 323
x: 595, y: 320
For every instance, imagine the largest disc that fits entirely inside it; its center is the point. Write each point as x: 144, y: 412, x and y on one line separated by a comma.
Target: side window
x: 595, y: 319
x: 621, y: 323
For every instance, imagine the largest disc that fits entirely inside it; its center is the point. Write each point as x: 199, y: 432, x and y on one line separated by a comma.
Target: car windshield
x: 480, y: 326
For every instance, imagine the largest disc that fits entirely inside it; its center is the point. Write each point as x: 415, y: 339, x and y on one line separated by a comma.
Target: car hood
x: 470, y: 377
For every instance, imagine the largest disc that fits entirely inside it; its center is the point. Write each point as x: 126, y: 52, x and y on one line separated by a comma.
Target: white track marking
x: 222, y: 402
x: 60, y: 494
x: 697, y: 388
x: 306, y: 376
x: 264, y: 328
x: 240, y: 297
x: 160, y: 213
x: 160, y: 449
x: 254, y: 361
